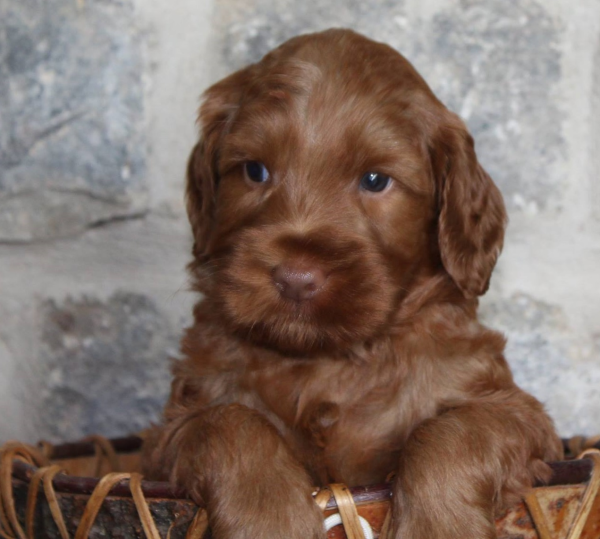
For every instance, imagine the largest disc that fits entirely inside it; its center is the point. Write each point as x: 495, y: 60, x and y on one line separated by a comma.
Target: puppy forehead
x: 308, y: 106
x: 324, y: 119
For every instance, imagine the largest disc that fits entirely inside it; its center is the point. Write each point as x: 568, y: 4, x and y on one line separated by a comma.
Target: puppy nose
x: 298, y: 282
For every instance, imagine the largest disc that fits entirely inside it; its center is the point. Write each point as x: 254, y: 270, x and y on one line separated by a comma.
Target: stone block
x: 543, y: 354
x: 71, y: 110
x: 105, y: 366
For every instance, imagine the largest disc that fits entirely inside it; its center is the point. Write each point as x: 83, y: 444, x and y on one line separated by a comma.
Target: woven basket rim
x: 44, y: 470
x: 567, y: 472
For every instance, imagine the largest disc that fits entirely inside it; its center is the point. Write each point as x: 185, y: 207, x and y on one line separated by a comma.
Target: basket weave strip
x: 6, y: 536
x: 321, y: 497
x: 45, y: 448
x: 10, y: 526
x: 591, y: 492
x: 8, y: 514
x: 386, y: 529
x: 32, y: 496
x: 198, y: 525
x: 578, y: 527
x: 539, y: 520
x: 46, y: 475
x: 347, y: 510
x: 578, y: 444
x: 103, y: 448
x: 95, y: 502
x: 135, y: 484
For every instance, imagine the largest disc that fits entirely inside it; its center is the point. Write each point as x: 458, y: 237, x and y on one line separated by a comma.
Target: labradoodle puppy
x: 343, y: 232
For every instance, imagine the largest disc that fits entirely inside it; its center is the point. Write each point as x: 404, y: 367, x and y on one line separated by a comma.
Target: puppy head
x: 328, y: 182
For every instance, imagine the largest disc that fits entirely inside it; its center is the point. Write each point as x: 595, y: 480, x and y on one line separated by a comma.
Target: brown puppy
x: 343, y: 231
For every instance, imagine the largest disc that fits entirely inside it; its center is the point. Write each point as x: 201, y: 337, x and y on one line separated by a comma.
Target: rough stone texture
x: 129, y: 275
x: 105, y: 363
x: 539, y: 347
x: 253, y: 28
x: 71, y: 144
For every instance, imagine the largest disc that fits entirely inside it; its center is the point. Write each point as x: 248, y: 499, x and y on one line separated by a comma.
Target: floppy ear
x: 472, y: 217
x: 220, y: 104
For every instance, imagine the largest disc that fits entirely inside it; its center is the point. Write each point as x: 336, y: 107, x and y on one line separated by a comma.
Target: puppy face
x: 328, y: 183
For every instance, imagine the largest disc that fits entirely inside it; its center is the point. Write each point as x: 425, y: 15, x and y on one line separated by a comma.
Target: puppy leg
x: 231, y: 460
x: 457, y: 469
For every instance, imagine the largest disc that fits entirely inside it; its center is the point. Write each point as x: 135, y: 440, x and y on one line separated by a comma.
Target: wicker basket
x: 92, y: 489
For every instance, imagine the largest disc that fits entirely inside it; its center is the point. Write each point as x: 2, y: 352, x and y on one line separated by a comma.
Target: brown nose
x: 298, y: 282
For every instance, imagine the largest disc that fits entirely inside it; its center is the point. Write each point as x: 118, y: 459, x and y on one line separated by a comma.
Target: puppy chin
x: 300, y: 330
x: 298, y: 337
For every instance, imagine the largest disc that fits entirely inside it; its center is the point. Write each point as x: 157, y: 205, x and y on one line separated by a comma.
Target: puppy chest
x: 351, y: 445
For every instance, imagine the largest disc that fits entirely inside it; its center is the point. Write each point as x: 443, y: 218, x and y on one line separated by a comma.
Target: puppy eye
x: 256, y: 171
x: 374, y: 182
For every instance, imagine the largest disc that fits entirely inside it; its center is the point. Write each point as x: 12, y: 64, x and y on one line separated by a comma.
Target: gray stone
x: 71, y: 107
x: 253, y: 28
x: 540, y: 349
x: 495, y: 63
x: 106, y: 366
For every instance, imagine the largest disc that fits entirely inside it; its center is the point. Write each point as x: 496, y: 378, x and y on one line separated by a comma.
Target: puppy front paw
x: 266, y: 511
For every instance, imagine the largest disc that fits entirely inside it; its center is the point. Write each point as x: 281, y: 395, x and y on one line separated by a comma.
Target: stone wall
x: 97, y: 105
